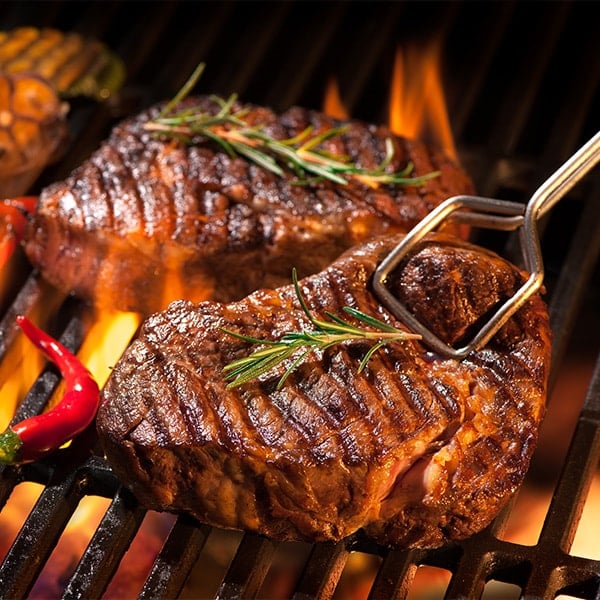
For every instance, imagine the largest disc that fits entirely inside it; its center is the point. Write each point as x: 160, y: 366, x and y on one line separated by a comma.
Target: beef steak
x: 416, y: 450
x: 147, y: 219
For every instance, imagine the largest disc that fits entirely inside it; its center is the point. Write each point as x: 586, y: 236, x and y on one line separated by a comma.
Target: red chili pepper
x: 34, y: 437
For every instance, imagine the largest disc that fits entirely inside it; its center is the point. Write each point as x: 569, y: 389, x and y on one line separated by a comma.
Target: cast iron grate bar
x: 176, y: 560
x: 556, y: 538
x: 248, y: 568
x: 322, y: 571
x: 527, y: 72
x: 102, y: 556
x: 38, y: 536
x: 57, y: 502
x: 29, y: 296
x: 395, y: 575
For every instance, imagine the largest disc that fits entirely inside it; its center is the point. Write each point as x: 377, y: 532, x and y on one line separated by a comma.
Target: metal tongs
x: 492, y: 214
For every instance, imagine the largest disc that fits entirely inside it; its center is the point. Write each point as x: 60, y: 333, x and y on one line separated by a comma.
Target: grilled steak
x: 146, y: 219
x: 416, y: 449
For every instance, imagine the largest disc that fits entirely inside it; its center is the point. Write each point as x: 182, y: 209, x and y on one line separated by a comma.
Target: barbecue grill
x: 522, y: 83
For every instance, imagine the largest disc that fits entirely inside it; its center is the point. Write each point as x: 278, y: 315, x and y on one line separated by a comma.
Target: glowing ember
x: 69, y: 548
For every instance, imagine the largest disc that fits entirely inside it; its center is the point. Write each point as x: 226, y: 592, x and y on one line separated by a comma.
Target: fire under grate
x: 518, y: 110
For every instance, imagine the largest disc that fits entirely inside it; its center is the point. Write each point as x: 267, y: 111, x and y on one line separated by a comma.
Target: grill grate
x: 523, y: 94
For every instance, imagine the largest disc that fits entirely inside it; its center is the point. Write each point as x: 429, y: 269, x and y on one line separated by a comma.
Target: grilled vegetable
x: 72, y: 64
x: 32, y: 129
x: 39, y: 69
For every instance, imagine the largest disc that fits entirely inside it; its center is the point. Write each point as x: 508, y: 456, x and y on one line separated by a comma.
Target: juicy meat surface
x: 146, y: 220
x: 416, y: 450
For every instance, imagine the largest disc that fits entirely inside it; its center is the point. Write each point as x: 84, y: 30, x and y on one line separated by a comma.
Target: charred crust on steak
x: 219, y: 226
x: 415, y: 451
x: 452, y: 292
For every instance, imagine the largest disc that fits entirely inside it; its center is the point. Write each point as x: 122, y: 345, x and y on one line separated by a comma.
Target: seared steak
x: 417, y: 449
x: 147, y: 219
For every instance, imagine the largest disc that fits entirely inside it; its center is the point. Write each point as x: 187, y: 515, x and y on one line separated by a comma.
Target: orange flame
x: 18, y: 370
x: 417, y: 105
x: 22, y: 363
x: 333, y: 105
x: 417, y: 102
x: 106, y: 340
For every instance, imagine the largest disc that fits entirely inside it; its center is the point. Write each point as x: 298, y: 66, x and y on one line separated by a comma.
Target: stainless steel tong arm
x: 492, y: 214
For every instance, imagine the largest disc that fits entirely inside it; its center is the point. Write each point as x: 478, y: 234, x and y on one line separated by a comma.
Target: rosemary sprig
x: 304, y: 153
x: 302, y: 343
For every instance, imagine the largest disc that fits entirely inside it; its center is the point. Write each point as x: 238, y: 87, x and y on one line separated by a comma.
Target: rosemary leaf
x: 226, y: 106
x: 260, y: 158
x: 221, y: 142
x: 367, y: 356
x: 186, y: 88
x: 292, y: 368
x: 317, y: 140
x: 324, y: 335
x: 304, y: 154
x: 369, y: 320
x: 298, y: 139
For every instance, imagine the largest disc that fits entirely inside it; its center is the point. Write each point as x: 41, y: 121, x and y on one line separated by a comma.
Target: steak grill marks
x: 333, y: 462
x: 265, y: 223
x: 507, y: 146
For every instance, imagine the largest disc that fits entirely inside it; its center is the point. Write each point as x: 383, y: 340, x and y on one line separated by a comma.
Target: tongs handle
x: 493, y: 214
x: 507, y: 216
x: 564, y: 179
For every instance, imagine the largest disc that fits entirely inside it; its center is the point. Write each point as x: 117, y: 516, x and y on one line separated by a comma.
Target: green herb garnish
x: 304, y: 153
x: 324, y: 335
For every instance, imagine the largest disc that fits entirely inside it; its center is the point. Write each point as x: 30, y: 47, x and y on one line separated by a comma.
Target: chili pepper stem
x: 10, y: 445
